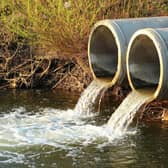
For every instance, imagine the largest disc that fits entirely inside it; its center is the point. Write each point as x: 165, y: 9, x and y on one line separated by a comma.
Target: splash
x: 64, y: 130
x: 51, y: 126
x: 123, y: 116
x: 61, y: 128
x: 58, y: 128
x: 88, y: 98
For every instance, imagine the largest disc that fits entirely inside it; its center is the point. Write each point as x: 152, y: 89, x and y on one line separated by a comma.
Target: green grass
x: 64, y: 26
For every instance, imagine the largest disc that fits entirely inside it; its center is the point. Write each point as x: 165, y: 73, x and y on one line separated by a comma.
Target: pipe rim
x: 114, y: 29
x: 160, y: 48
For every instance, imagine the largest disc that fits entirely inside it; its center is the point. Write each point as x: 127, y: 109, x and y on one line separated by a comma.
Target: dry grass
x: 63, y: 26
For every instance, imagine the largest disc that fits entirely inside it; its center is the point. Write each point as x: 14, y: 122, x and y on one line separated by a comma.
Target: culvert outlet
x: 147, y: 61
x: 108, y: 43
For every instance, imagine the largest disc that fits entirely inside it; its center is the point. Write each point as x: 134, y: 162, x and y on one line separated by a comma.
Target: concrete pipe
x: 108, y: 43
x: 147, y: 61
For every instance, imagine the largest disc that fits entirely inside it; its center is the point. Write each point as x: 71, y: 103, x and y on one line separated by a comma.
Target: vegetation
x: 55, y: 29
x: 63, y: 26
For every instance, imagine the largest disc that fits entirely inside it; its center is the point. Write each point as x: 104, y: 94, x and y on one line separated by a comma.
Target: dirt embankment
x: 24, y: 67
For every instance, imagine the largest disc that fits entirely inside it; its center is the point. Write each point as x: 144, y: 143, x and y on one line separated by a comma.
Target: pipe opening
x: 144, y: 64
x: 103, y: 53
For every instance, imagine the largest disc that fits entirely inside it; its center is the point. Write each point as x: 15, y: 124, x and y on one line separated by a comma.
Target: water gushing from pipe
x: 85, y: 104
x: 123, y: 116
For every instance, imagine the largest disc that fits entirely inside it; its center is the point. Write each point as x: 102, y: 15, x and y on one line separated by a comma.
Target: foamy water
x: 53, y: 127
x: 64, y: 129
x: 58, y: 128
x: 123, y: 116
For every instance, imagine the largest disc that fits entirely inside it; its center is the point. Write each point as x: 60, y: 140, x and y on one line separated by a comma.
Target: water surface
x: 40, y: 129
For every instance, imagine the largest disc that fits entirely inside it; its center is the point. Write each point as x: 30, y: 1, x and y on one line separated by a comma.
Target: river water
x: 40, y: 129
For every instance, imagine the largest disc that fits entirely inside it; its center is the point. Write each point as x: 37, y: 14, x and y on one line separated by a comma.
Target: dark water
x: 39, y: 129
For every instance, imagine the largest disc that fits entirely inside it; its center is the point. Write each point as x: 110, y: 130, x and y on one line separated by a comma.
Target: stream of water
x: 123, y: 116
x: 85, y: 104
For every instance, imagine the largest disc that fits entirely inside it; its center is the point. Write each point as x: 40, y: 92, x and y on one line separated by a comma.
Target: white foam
x: 60, y: 128
x: 11, y: 157
x: 65, y: 128
x: 54, y: 127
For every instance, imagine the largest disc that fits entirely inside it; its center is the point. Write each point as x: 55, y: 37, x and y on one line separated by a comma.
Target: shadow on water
x: 62, y: 143
x: 33, y: 100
